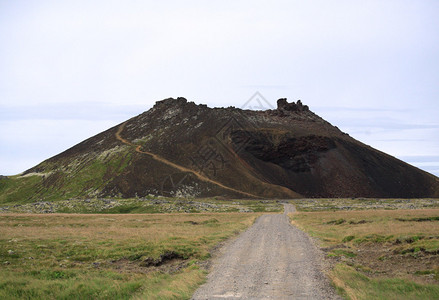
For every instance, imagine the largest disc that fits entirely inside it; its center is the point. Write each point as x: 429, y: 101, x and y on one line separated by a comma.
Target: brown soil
x: 382, y: 260
x: 168, y: 266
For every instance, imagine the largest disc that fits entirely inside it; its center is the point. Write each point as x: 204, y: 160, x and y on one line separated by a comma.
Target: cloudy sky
x: 70, y: 69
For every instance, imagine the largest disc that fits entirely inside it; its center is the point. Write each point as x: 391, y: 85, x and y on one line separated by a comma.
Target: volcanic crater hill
x: 178, y: 148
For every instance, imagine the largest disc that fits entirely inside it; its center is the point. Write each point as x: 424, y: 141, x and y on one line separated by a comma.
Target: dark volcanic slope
x: 178, y: 148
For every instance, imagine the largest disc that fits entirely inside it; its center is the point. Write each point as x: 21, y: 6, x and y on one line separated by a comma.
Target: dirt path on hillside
x: 174, y: 165
x: 271, y: 260
x: 138, y: 148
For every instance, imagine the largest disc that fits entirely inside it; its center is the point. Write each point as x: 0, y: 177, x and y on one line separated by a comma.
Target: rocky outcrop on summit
x: 181, y: 149
x: 282, y: 104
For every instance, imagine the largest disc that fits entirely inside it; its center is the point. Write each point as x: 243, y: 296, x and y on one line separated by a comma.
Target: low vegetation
x: 336, y: 204
x: 376, y: 253
x: 143, y: 205
x: 150, y: 256
x: 84, y: 176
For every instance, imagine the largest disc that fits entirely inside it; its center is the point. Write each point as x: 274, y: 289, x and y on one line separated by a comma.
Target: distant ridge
x: 181, y: 149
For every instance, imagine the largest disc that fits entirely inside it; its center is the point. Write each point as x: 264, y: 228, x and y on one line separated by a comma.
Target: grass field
x: 151, y: 256
x: 378, y: 254
x: 379, y: 248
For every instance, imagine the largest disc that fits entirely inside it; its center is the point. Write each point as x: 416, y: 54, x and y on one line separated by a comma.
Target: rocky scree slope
x: 181, y: 149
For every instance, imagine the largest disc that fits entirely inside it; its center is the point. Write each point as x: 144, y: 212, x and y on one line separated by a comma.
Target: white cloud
x: 25, y: 143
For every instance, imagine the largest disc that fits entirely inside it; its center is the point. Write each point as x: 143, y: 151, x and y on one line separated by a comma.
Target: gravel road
x: 271, y: 260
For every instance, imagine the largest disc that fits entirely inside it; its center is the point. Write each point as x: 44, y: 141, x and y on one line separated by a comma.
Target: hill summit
x: 179, y: 148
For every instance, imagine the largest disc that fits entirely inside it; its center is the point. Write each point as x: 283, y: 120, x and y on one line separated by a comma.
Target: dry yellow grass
x: 151, y: 227
x: 382, y: 222
x: 109, y: 256
x: 379, y: 254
